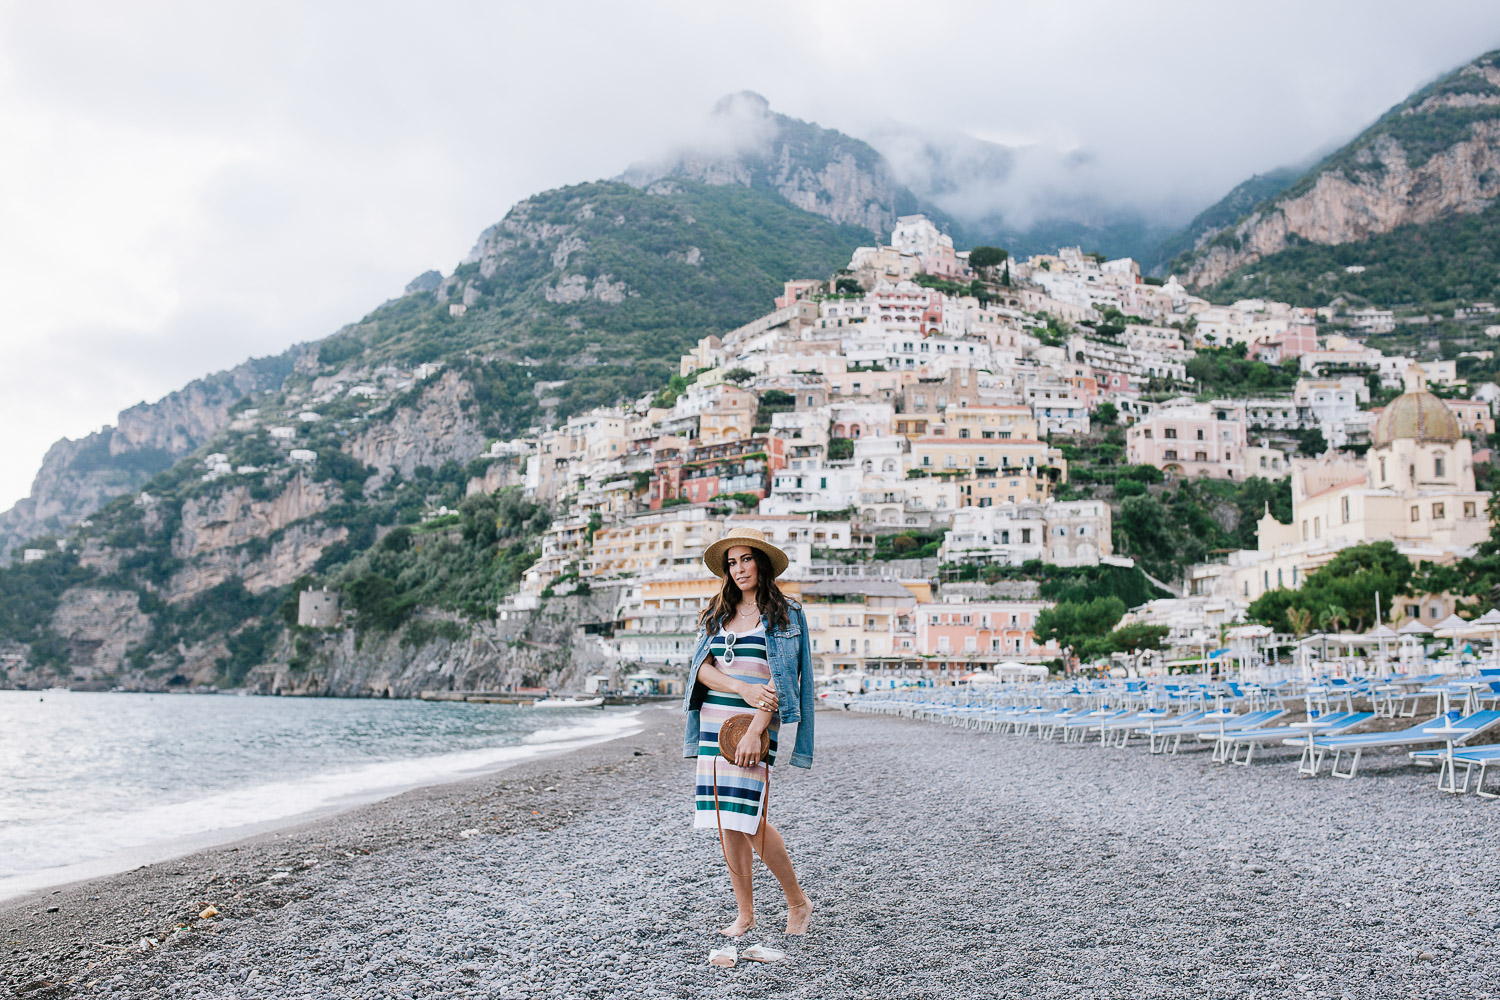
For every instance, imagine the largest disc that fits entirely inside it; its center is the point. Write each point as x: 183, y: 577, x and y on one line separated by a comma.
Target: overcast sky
x: 184, y: 185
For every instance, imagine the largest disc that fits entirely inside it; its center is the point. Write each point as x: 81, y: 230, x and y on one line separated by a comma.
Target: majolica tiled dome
x: 1420, y: 416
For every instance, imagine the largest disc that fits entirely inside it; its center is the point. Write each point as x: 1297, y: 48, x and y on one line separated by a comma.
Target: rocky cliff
x: 79, y: 477
x: 547, y: 649
x: 1434, y: 156
x: 818, y: 170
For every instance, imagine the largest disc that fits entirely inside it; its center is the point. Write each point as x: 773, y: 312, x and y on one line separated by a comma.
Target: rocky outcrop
x: 79, y: 477
x: 1343, y: 207
x: 233, y: 518
x: 100, y: 626
x: 1435, y: 155
x: 293, y: 553
x: 818, y: 170
x: 549, y: 649
x: 440, y: 427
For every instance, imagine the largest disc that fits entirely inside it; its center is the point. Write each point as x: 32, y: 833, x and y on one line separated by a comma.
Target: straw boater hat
x: 713, y: 556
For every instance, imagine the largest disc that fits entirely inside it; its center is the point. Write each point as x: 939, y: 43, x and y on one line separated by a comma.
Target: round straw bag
x: 731, y: 732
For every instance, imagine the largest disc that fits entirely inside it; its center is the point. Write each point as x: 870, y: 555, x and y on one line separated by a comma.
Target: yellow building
x: 730, y: 418
x: 987, y: 423
x: 658, y: 541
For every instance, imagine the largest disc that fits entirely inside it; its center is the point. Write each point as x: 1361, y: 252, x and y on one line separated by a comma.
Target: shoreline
x: 99, y: 917
x: 19, y: 887
x: 941, y: 861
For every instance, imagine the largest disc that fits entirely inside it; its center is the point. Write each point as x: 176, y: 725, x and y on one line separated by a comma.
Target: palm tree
x: 1300, y: 619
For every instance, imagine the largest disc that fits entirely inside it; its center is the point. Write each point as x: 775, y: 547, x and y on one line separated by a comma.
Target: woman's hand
x: 747, y: 754
x: 761, y: 696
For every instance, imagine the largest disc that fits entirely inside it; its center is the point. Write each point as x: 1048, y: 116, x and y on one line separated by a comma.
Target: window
x: 1278, y: 577
x: 1317, y: 527
x: 1468, y: 508
x: 1416, y: 514
x: 1437, y: 512
x: 1025, y: 536
x: 1413, y: 611
x: 1344, y: 506
x: 1170, y: 433
x: 1437, y: 465
x: 1437, y: 611
x: 1266, y: 579
x: 1200, y: 434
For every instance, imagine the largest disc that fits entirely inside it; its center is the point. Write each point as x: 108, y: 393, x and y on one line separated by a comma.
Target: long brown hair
x: 768, y: 597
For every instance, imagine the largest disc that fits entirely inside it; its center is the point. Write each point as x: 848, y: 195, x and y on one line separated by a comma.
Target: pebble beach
x: 942, y: 863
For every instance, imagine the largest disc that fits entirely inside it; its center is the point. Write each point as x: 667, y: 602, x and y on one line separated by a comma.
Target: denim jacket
x: 791, y: 670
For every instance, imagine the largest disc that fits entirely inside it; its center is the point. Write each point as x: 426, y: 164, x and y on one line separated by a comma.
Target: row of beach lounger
x: 1235, y: 721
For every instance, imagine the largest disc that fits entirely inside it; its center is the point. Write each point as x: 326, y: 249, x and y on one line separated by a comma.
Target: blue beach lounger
x: 1469, y: 758
x: 1214, y: 722
x: 1415, y: 736
x: 1227, y: 744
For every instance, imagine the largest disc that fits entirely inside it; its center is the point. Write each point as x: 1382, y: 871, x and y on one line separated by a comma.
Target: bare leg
x: 798, y: 906
x: 741, y: 858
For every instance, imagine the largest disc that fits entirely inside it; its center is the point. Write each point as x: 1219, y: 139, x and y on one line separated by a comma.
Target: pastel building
x: 1190, y: 439
x: 1414, y: 488
x: 979, y: 634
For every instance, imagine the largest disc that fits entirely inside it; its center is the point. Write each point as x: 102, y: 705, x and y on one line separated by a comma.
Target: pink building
x: 980, y: 634
x: 1190, y: 439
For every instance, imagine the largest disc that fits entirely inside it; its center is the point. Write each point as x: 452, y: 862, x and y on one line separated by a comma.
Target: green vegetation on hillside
x: 644, y: 298
x: 1228, y: 372
x: 1448, y: 259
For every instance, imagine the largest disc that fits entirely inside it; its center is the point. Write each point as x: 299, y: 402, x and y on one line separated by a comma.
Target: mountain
x: 190, y: 528
x: 78, y: 477
x: 818, y: 170
x: 1227, y: 210
x: 1409, y: 205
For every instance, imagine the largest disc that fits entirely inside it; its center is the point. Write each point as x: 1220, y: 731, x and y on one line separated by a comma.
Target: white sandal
x: 723, y: 957
x: 760, y: 953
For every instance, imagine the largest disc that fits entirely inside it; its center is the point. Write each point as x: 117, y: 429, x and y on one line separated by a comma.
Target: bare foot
x: 798, y: 916
x: 742, y: 925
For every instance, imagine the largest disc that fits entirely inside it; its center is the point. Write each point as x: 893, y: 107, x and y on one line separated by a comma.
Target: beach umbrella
x: 1412, y: 635
x: 1382, y: 634
x: 1489, y: 622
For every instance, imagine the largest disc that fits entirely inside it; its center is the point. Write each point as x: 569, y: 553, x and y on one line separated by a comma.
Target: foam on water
x: 109, y: 810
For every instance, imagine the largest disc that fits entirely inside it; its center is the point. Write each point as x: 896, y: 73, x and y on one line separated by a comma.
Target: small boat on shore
x: 568, y: 703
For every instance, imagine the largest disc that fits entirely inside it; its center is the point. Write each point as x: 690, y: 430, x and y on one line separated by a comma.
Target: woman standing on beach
x: 752, y: 657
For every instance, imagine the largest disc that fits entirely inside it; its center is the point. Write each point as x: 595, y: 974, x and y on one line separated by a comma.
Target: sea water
x: 115, y: 779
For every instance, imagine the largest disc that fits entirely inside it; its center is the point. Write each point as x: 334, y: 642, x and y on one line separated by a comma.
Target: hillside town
x: 903, y: 424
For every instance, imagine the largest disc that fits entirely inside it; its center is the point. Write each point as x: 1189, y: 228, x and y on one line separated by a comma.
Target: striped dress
x: 740, y: 788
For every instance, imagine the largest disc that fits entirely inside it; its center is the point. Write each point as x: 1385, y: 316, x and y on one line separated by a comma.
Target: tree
x: 984, y: 258
x: 848, y: 286
x: 1080, y: 626
x: 1107, y: 413
x: 1333, y: 617
x: 1138, y: 637
x: 1311, y: 442
x: 738, y: 375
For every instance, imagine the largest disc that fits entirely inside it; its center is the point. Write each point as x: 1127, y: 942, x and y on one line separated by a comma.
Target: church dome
x: 1418, y: 416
